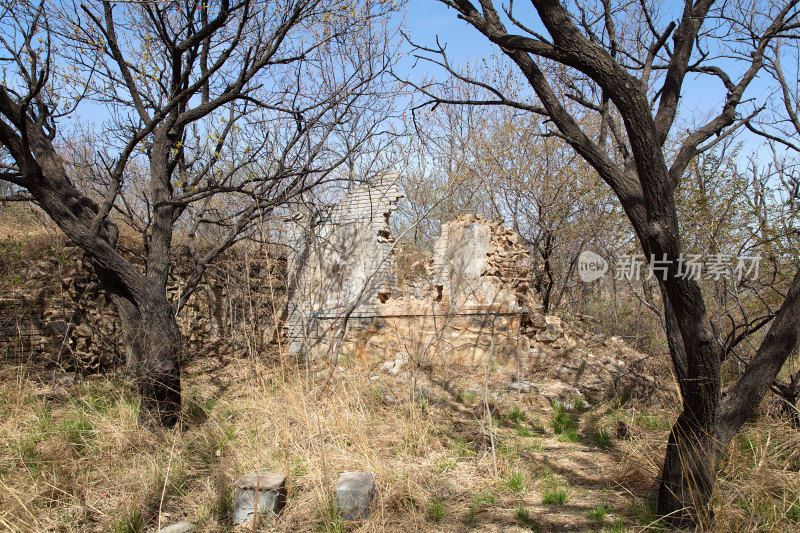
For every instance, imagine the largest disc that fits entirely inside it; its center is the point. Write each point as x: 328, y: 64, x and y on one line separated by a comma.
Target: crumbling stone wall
x: 57, y: 314
x: 53, y: 312
x: 478, y: 263
x: 340, y: 263
x: 472, y: 305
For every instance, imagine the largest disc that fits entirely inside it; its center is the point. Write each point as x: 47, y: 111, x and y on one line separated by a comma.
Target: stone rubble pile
x: 491, y: 267
x: 598, y: 368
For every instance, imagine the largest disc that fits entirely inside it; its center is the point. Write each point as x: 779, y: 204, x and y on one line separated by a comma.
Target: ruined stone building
x: 464, y: 302
x: 343, y: 272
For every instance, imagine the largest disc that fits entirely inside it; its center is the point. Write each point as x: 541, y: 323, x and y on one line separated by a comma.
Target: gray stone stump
x: 179, y: 527
x: 262, y: 492
x: 354, y: 492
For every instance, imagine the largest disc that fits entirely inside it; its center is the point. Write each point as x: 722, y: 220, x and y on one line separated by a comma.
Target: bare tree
x: 214, y: 113
x: 780, y: 125
x: 627, y: 63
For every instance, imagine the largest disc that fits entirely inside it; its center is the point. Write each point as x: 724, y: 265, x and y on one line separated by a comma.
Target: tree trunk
x: 153, y: 344
x: 708, y: 423
x: 689, y: 475
x: 152, y: 338
x: 153, y: 349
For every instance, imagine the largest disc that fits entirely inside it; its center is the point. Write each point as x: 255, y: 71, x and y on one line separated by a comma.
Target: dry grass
x: 759, y: 489
x: 77, y: 461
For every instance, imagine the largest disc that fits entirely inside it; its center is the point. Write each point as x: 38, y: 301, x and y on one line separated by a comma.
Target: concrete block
x: 354, y: 492
x: 262, y: 492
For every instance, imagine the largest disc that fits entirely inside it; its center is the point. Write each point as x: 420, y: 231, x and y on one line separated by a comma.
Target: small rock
x: 564, y: 343
x: 374, y: 378
x: 354, y: 492
x: 547, y: 336
x: 388, y: 399
x: 554, y: 324
x: 270, y: 497
x: 63, y: 379
x: 59, y: 327
x: 539, y: 321
x: 179, y: 527
x: 53, y: 394
x: 522, y: 386
x: 422, y: 393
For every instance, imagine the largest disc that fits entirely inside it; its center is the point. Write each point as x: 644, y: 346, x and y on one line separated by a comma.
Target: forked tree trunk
x: 709, y: 422
x: 152, y: 339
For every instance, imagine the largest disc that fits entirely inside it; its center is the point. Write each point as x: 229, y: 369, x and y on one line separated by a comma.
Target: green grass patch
x: 130, y: 522
x: 30, y: 457
x: 570, y: 435
x: 517, y: 416
x: 554, y: 496
x: 436, y: 510
x: 644, y: 511
x: 564, y: 422
x: 602, y: 439
x: 479, y: 502
x: 78, y: 432
x: 510, y: 449
x: 617, y: 527
x: 444, y: 464
x: 465, y: 396
x: 515, y: 481
x: 483, y: 499
x: 793, y: 512
x: 652, y: 421
x: 330, y: 521
x: 462, y: 447
x: 598, y: 514
x: 747, y: 445
x: 523, y: 431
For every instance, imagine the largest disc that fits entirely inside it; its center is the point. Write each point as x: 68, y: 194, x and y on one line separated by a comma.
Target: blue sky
x: 427, y: 19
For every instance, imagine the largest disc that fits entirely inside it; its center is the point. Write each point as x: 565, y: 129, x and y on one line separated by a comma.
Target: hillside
x: 574, y: 442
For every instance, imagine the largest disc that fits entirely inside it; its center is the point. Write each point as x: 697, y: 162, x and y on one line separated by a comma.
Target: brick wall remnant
x: 340, y: 262
x: 475, y: 299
